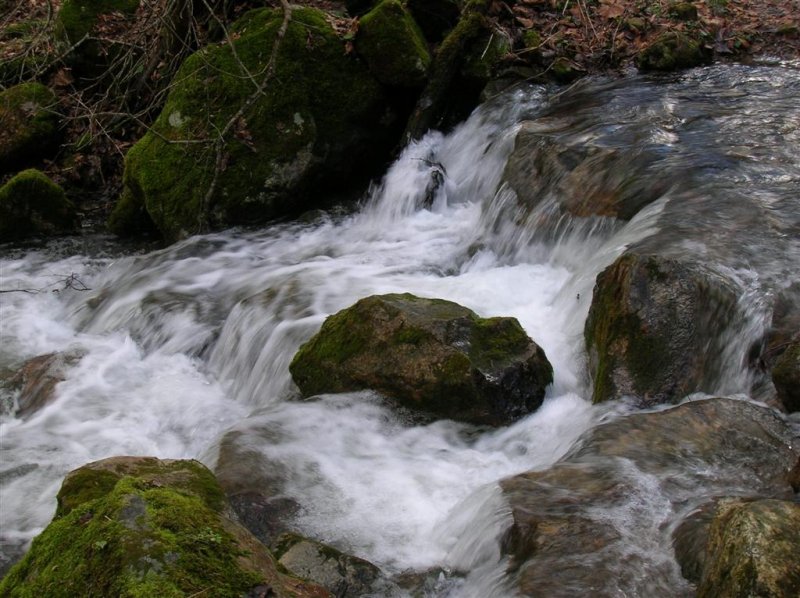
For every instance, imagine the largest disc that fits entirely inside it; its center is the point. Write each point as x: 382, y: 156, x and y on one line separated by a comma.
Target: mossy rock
x: 753, y: 550
x: 76, y: 24
x: 786, y: 376
x: 28, y: 125
x: 672, y: 51
x: 320, y: 120
x: 24, y: 51
x: 393, y: 46
x: 484, y: 55
x: 654, y: 327
x: 431, y: 354
x: 138, y: 527
x: 30, y: 203
x: 683, y: 11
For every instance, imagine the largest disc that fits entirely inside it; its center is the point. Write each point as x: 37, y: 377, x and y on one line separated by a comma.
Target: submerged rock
x: 28, y: 125
x: 392, y: 44
x: 594, y: 518
x: 753, y: 549
x: 30, y: 203
x: 320, y: 120
x: 431, y: 354
x: 139, y: 526
x: 578, y: 178
x: 34, y: 382
x: 653, y: 328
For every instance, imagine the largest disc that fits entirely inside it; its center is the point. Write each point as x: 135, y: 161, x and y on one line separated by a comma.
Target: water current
x: 184, y: 345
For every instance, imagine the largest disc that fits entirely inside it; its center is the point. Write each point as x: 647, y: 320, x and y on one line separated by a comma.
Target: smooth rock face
x: 652, y: 329
x: 321, y: 120
x: 753, y: 550
x: 139, y: 526
x: 626, y: 487
x: 35, y: 380
x: 430, y: 354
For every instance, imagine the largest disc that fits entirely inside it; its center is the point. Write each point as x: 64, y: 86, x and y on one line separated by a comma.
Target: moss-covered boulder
x: 654, y: 327
x: 753, y: 549
x: 393, y: 46
x: 28, y: 125
x: 138, y: 526
x: 672, y: 51
x: 30, y: 203
x: 786, y: 376
x: 618, y: 496
x: 320, y: 119
x: 431, y: 354
x: 683, y: 11
x: 344, y: 575
x: 86, y: 28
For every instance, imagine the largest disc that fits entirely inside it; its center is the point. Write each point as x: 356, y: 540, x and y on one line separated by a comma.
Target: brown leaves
x: 611, y: 9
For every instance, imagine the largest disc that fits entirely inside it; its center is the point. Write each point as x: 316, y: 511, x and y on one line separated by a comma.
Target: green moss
x: 393, y: 45
x: 496, y: 340
x: 30, y: 203
x: 683, y: 11
x: 484, y: 54
x: 310, y: 111
x: 28, y: 124
x: 672, y: 51
x: 77, y: 18
x: 136, y: 539
x: 82, y: 486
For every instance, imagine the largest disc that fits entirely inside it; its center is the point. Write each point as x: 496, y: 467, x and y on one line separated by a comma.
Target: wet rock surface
x: 430, y: 354
x: 575, y: 524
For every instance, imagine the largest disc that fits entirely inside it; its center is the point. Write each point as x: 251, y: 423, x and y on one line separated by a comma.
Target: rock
x: 321, y: 121
x: 357, y: 8
x: 580, y: 178
x: 430, y: 354
x: 690, y: 539
x: 672, y: 51
x: 139, y: 526
x: 683, y: 11
x: 483, y: 57
x: 435, y: 17
x: 393, y: 46
x: 30, y: 203
x: 652, y: 329
x: 35, y: 380
x: 343, y: 575
x: 91, y: 51
x: 28, y: 125
x: 786, y: 376
x: 752, y: 550
x: 619, y: 494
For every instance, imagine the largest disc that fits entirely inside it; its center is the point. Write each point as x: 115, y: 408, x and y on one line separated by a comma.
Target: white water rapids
x: 184, y: 344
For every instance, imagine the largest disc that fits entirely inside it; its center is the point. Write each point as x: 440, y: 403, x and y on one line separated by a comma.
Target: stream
x: 186, y: 346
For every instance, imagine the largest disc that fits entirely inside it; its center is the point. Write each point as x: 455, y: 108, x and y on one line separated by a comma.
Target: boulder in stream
x: 34, y: 382
x: 601, y: 517
x: 786, y: 376
x: 430, y: 354
x: 139, y: 526
x: 654, y: 327
x: 320, y: 120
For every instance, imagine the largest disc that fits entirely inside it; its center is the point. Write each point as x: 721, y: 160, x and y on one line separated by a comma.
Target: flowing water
x: 185, y: 345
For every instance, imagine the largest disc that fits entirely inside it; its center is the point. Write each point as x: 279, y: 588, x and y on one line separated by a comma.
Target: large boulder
x: 393, y: 46
x: 28, y: 125
x: 320, y: 119
x: 653, y: 329
x: 30, y: 203
x: 431, y: 354
x: 138, y: 526
x: 615, y: 499
x: 753, y: 549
